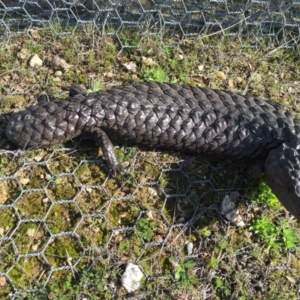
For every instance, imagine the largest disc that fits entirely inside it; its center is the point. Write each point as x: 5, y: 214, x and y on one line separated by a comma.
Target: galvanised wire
x: 277, y: 19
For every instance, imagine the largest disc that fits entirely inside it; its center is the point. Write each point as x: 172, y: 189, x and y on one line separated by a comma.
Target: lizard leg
x: 101, y: 138
x: 107, y: 147
x: 77, y: 90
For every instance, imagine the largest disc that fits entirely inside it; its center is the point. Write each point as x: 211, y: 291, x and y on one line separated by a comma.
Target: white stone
x: 23, y: 54
x: 58, y: 73
x: 190, y: 247
x: 132, y: 277
x: 148, y: 61
x: 130, y: 66
x: 229, y: 210
x: 58, y: 62
x: 35, y: 61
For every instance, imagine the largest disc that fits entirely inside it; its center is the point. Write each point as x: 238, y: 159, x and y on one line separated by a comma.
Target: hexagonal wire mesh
x: 77, y: 215
x: 188, y: 18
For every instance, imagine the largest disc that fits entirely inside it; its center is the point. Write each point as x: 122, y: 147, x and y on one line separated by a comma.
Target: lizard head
x: 282, y: 170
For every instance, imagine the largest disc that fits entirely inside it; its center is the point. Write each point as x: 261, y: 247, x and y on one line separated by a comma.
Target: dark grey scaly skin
x: 174, y: 117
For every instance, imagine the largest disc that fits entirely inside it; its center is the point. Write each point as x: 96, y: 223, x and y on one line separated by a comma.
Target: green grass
x: 262, y: 195
x: 154, y: 74
x: 275, y: 236
x: 90, y: 283
x: 181, y: 269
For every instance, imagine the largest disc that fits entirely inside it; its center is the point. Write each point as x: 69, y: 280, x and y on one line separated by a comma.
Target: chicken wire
x: 70, y: 234
x: 27, y: 240
x: 277, y: 19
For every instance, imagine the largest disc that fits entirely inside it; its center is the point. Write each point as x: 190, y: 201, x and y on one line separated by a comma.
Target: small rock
x: 35, y: 61
x: 58, y: 73
x: 35, y: 33
x: 130, y: 66
x: 48, y: 176
x: 38, y: 235
x: 56, y: 79
x: 58, y: 62
x: 150, y: 215
x: 227, y: 205
x: 179, y: 56
x: 23, y: 54
x: 230, y: 83
x: 181, y: 220
x: 35, y: 247
x: 229, y: 210
x: 291, y: 279
x: 152, y: 191
x: 31, y: 232
x: 132, y: 277
x: 109, y: 74
x: 221, y: 75
x: 24, y: 181
x: 190, y: 247
x: 148, y: 61
x: 2, y: 281
x: 45, y: 200
x: 235, y: 218
x: 201, y: 68
x: 38, y: 158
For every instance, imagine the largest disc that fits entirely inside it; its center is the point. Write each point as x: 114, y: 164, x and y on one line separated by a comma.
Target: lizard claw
x: 116, y: 170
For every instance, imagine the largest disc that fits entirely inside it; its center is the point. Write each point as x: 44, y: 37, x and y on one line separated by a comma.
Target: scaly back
x: 157, y: 115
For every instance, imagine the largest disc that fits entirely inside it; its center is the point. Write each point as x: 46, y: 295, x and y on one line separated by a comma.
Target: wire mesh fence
x: 186, y: 18
x: 61, y: 214
x: 57, y: 217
